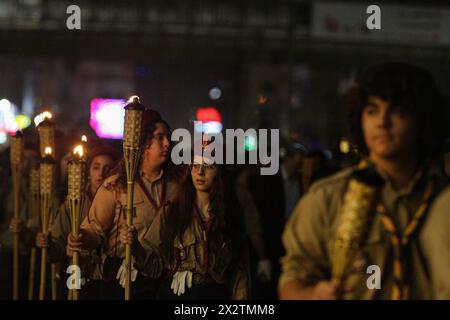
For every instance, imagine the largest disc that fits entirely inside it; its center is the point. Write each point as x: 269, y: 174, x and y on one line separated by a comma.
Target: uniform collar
x: 421, y: 172
x: 157, y: 178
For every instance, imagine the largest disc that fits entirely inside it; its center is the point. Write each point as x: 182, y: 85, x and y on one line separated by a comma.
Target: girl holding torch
x: 197, y: 245
x: 102, y: 159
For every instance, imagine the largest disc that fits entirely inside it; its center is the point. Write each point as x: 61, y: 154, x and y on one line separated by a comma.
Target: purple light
x: 107, y: 117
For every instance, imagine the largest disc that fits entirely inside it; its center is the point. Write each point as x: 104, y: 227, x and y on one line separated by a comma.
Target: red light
x: 14, y: 134
x: 207, y: 114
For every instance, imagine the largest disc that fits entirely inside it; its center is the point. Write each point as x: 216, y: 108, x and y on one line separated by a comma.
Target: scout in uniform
x: 153, y: 188
x: 103, y: 159
x: 398, y: 122
x: 196, y: 247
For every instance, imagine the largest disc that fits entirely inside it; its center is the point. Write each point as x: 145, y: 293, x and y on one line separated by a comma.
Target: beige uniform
x: 107, y: 211
x: 310, y: 233
x: 224, y: 266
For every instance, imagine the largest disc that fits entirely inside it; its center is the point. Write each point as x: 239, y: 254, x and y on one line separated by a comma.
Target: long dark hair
x: 223, y: 205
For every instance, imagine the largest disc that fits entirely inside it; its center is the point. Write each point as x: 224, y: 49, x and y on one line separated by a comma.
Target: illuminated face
x: 388, y: 132
x: 203, y: 176
x: 98, y: 170
x: 157, y: 151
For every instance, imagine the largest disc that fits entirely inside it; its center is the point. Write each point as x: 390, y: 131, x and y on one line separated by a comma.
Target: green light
x: 250, y: 143
x: 22, y: 121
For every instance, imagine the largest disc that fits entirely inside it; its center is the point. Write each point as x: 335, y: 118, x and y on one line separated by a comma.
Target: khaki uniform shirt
x: 224, y: 266
x: 107, y: 211
x: 310, y: 233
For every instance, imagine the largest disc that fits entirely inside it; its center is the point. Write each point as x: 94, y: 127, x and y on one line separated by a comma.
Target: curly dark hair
x: 409, y: 88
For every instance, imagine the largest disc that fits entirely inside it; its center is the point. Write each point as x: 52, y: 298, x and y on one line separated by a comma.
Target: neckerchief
x: 149, y: 196
x: 400, y: 242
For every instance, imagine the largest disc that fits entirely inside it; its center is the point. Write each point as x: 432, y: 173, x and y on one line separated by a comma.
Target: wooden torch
x: 16, y: 158
x: 35, y: 207
x: 356, y: 215
x: 47, y: 180
x: 131, y: 151
x: 75, y: 196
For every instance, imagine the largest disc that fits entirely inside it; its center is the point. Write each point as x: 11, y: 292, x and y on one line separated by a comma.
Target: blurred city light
x: 215, y: 93
x: 344, y: 146
x: 7, y: 116
x: 107, y: 117
x: 211, y: 120
x: 22, y: 121
x: 250, y: 143
x: 3, y: 137
x: 5, y: 105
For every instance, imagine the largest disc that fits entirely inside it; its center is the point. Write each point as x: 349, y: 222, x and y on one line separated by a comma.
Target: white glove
x: 180, y: 280
x: 264, y: 270
x: 122, y: 273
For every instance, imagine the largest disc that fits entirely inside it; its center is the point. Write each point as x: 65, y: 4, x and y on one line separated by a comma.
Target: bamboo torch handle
x: 132, y: 136
x: 130, y: 193
x: 16, y: 158
x: 43, y: 273
x: 16, y: 182
x: 45, y: 216
x: 16, y: 266
x: 31, y: 275
x: 53, y: 275
x: 76, y: 262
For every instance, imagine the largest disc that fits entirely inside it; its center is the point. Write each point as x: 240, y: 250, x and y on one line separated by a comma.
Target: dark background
x: 171, y: 53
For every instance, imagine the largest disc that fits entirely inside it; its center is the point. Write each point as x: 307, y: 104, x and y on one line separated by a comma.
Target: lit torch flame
x: 132, y: 98
x: 48, y: 151
x: 41, y: 117
x: 47, y: 114
x: 78, y: 150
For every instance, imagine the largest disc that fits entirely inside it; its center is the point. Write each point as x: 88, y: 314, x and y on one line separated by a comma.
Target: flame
x: 47, y: 114
x: 41, y: 117
x: 48, y: 150
x: 132, y: 98
x: 83, y: 138
x: 78, y: 150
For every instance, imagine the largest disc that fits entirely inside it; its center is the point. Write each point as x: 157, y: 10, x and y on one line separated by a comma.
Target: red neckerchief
x: 149, y: 196
x: 205, y: 231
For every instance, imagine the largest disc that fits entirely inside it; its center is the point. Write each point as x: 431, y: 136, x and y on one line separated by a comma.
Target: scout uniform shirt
x: 108, y: 210
x: 208, y: 259
x: 309, y: 238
